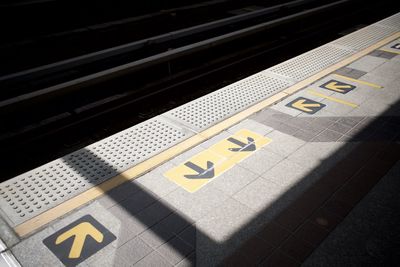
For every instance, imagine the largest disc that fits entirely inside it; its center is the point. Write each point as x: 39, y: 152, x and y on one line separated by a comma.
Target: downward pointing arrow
x: 80, y: 232
x: 250, y: 146
x: 201, y: 173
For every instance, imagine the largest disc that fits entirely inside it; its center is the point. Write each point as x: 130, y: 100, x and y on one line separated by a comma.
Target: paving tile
x: 273, y: 234
x: 118, y: 194
x: 340, y: 127
x: 233, y: 180
x: 154, y: 259
x: 154, y: 213
x: 286, y: 174
x: 133, y: 251
x: 175, y: 250
x: 189, y: 235
x: 164, y: 230
x: 196, y: 205
x: 138, y: 201
x: 328, y: 136
x: 280, y: 259
x: 382, y: 54
x: 261, y: 195
x: 215, y: 139
x: 251, y: 125
x: 297, y: 248
x: 349, y: 72
x: 311, y: 233
x: 255, y: 250
x: 367, y: 63
x: 188, y: 261
x: 32, y: 251
x: 306, y: 136
x: 261, y: 161
x: 130, y: 226
x: 289, y: 219
x: 285, y: 128
x: 338, y: 109
x: 283, y: 144
x: 222, y: 231
x: 155, y: 182
x: 325, y: 219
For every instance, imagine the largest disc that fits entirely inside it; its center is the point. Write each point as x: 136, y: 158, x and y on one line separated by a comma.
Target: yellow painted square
x: 223, y: 147
x: 178, y: 173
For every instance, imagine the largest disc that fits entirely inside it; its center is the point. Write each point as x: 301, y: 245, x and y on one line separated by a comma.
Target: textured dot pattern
x: 307, y: 64
x: 365, y: 37
x: 31, y: 193
x: 208, y: 110
x: 393, y: 22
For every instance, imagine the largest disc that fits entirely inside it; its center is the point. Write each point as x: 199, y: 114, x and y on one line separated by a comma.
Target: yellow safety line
x: 390, y: 51
x: 333, y: 99
x: 46, y: 217
x: 359, y: 81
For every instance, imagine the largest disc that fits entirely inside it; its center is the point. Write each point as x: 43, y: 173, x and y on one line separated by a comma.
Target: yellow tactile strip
x: 46, y: 217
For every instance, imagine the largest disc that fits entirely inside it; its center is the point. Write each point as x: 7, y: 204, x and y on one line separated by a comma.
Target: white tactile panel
x: 365, y: 37
x: 208, y: 110
x: 31, y: 193
x: 392, y: 21
x: 307, y: 64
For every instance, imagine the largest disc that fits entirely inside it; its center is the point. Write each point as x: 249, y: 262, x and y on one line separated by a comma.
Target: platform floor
x: 281, y: 188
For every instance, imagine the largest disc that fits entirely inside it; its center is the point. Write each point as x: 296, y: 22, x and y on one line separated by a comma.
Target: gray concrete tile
x: 215, y: 139
x: 327, y: 136
x: 133, y: 251
x: 367, y: 63
x: 224, y: 229
x: 189, y: 235
x: 306, y: 136
x: 196, y: 205
x: 311, y: 154
x: 188, y: 261
x: 251, y: 125
x: 155, y: 182
x: 154, y: 259
x: 336, y: 108
x: 233, y: 180
x: 175, y: 250
x: 261, y: 161
x: 340, y: 127
x: 382, y: 54
x: 165, y: 230
x: 117, y: 195
x: 32, y: 251
x: 283, y: 144
x: 260, y: 194
x: 154, y: 213
x: 286, y: 174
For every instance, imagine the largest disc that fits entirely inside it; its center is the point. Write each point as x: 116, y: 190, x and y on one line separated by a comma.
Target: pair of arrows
x: 209, y: 171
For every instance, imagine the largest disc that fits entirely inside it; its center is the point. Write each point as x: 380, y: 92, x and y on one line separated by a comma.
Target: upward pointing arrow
x: 201, y: 173
x: 80, y: 232
x: 335, y: 87
x: 250, y: 146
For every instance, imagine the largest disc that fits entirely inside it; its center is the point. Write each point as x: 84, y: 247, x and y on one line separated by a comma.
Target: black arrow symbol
x: 250, y: 146
x: 201, y: 173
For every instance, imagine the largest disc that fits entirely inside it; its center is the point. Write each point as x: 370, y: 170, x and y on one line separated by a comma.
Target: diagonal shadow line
x: 381, y: 130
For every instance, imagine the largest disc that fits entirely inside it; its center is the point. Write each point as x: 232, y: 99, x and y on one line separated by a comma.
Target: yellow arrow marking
x: 80, y: 232
x: 335, y: 87
x: 333, y: 99
x: 305, y: 107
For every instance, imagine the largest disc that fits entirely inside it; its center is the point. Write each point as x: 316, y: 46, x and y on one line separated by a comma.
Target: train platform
x: 297, y: 164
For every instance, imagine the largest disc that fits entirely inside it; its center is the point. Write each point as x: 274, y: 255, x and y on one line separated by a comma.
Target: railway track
x: 69, y: 104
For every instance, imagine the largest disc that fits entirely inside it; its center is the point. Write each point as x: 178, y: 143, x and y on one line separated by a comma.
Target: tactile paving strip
x: 365, y: 37
x: 31, y: 193
x: 208, y: 110
x: 307, y: 64
x: 393, y: 22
